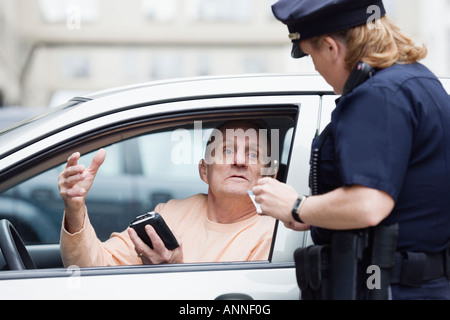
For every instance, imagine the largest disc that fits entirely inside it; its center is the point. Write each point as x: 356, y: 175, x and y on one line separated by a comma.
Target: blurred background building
x: 51, y: 50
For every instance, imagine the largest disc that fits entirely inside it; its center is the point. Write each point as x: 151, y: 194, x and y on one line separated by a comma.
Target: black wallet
x: 161, y: 228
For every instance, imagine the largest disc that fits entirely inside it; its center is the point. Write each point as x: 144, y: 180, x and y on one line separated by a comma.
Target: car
x: 154, y: 134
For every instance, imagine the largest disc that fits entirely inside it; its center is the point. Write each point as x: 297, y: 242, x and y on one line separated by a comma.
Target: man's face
x: 234, y: 161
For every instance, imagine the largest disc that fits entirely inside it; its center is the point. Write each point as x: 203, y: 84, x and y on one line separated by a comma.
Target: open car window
x: 138, y: 173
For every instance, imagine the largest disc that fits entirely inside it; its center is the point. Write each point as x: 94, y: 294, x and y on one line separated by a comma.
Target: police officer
x: 385, y: 156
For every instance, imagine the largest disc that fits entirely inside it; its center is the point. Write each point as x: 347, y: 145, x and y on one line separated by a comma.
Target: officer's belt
x: 415, y: 268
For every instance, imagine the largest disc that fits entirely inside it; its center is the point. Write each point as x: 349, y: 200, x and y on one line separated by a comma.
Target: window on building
x: 160, y: 11
x: 76, y: 66
x: 165, y: 66
x: 255, y: 65
x: 220, y: 10
x: 72, y: 12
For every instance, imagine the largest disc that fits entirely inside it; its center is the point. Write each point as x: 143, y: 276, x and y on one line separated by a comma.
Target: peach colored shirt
x: 202, y: 240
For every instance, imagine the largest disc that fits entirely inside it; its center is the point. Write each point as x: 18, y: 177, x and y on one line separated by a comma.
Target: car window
x: 137, y: 174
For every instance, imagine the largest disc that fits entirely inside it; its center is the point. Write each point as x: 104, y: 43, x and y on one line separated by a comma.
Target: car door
x: 296, y: 116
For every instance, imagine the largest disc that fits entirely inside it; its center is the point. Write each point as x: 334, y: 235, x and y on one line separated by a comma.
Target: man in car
x: 220, y: 226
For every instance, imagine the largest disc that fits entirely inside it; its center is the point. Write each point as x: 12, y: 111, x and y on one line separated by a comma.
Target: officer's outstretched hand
x: 276, y: 200
x: 74, y: 183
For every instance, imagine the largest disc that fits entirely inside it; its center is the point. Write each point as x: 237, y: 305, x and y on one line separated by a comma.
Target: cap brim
x: 297, y: 52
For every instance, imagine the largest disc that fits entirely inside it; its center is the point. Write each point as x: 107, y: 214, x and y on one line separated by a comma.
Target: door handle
x: 234, y: 296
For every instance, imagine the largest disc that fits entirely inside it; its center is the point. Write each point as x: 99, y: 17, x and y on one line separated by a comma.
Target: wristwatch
x: 296, y: 209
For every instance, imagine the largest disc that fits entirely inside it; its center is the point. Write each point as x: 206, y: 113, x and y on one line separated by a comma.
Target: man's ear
x: 203, y: 170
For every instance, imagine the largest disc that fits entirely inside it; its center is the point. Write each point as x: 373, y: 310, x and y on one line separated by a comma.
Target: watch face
x: 296, y: 209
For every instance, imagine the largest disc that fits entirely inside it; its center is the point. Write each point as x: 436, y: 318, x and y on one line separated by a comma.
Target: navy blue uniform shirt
x: 392, y: 133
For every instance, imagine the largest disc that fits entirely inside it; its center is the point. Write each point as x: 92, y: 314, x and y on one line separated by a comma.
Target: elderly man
x: 220, y: 226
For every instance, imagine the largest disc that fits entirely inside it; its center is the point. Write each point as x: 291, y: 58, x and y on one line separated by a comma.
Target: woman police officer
x: 385, y: 156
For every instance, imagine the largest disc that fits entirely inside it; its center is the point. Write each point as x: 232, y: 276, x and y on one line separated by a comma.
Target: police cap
x: 310, y: 18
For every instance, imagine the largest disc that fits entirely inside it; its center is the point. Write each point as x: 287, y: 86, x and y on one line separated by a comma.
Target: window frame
x: 113, y: 133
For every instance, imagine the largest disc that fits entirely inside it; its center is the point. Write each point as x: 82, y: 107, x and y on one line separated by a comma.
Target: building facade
x: 54, y: 49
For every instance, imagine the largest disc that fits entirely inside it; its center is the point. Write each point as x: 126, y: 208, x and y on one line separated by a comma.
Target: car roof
x: 235, y: 83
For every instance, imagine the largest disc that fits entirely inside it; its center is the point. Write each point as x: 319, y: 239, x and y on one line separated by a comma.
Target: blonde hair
x: 380, y: 44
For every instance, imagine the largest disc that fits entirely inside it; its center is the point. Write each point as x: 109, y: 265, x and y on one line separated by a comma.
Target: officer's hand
x: 276, y: 200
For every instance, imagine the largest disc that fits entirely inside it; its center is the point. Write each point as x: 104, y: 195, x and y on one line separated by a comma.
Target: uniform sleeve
x: 373, y: 139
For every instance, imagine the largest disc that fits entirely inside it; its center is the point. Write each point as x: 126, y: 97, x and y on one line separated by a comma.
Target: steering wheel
x: 13, y: 249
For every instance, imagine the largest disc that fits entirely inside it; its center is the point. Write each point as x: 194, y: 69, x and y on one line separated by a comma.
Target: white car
x: 140, y: 126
